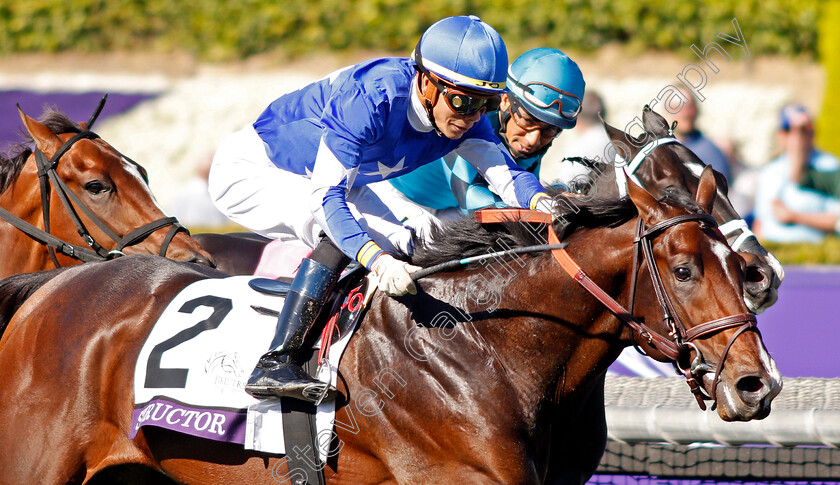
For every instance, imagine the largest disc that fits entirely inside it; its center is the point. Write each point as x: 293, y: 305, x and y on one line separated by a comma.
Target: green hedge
x: 826, y: 252
x: 225, y: 29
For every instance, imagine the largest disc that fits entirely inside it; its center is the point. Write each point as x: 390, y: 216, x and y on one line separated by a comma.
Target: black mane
x: 10, y: 168
x: 465, y: 237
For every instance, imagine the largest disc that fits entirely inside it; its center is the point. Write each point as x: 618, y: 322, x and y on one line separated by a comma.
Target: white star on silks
x: 308, y: 172
x: 384, y: 170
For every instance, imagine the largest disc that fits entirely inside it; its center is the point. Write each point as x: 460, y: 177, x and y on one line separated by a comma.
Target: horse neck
x: 23, y: 199
x: 550, y: 335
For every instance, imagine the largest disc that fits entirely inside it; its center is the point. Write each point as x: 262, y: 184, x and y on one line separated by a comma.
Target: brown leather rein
x: 678, y: 344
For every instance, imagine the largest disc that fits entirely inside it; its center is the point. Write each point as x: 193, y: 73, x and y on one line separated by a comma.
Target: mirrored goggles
x: 464, y: 103
x: 528, y: 123
x: 568, y: 105
x: 460, y: 101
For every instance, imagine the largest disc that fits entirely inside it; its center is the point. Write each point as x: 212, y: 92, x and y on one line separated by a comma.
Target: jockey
x: 544, y: 98
x: 302, y: 169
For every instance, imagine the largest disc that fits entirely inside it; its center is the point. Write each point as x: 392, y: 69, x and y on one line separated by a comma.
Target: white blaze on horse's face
x: 722, y: 251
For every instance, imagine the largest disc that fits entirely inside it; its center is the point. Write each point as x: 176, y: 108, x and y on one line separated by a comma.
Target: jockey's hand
x: 394, y: 276
x: 546, y: 204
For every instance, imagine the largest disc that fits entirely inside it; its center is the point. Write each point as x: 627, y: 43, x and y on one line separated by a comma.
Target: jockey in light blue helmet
x: 548, y: 85
x: 465, y: 59
x: 544, y: 98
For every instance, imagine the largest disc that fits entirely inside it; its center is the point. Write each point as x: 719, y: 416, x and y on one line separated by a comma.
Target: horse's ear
x: 654, y: 122
x: 46, y: 140
x: 706, y: 190
x: 619, y: 141
x: 650, y: 210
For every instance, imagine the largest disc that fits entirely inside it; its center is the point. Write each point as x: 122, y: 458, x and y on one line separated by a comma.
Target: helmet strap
x: 429, y: 97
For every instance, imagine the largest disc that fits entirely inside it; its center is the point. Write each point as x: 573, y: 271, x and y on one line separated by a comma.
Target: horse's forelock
x: 58, y: 122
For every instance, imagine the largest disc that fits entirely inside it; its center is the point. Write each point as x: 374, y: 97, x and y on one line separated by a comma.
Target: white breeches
x: 252, y: 192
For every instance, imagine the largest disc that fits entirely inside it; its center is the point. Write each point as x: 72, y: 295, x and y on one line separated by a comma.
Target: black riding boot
x: 278, y: 372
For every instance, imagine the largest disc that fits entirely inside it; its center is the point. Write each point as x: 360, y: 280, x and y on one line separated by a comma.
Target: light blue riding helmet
x: 549, y: 85
x: 465, y: 52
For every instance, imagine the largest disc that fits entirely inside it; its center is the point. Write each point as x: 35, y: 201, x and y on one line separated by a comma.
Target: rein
x: 678, y: 344
x: 46, y: 175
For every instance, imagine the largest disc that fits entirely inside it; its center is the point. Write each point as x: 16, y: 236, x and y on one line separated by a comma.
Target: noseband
x: 678, y: 343
x: 46, y: 174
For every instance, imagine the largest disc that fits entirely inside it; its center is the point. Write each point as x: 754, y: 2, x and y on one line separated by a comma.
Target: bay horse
x: 73, y: 198
x: 657, y: 161
x: 480, y: 358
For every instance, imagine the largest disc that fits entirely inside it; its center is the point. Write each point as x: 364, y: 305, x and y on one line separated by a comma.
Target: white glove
x: 547, y: 205
x: 393, y: 276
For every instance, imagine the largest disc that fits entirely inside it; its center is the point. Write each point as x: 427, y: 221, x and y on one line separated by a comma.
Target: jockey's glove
x: 394, y: 276
x: 544, y: 203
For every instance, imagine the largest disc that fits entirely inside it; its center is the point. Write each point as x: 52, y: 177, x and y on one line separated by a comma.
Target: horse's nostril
x: 754, y: 275
x: 750, y: 384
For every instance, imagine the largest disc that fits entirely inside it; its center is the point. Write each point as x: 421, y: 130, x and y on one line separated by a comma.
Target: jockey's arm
x: 467, y: 185
x: 331, y: 180
x: 516, y: 187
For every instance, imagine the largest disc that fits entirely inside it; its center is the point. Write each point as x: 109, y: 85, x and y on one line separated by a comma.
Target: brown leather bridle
x: 678, y: 343
x: 48, y: 176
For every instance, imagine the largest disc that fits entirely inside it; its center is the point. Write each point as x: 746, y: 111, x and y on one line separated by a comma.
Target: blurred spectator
x: 743, y: 180
x: 785, y: 211
x: 193, y: 206
x: 589, y: 138
x: 688, y: 134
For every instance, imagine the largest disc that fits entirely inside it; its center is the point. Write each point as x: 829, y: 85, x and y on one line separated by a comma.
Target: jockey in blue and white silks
x: 546, y: 89
x: 304, y: 167
x: 343, y: 139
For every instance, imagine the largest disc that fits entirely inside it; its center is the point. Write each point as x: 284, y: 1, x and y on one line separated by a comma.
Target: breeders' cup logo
x: 225, y: 370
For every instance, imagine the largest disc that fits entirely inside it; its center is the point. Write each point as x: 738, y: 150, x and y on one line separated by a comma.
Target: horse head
x: 673, y: 165
x: 699, y: 305
x: 95, y: 197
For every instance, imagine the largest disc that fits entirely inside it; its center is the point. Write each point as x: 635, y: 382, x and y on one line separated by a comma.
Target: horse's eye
x: 682, y: 273
x: 96, y: 187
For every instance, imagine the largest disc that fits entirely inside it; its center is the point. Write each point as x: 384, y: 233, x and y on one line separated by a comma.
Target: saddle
x: 190, y: 373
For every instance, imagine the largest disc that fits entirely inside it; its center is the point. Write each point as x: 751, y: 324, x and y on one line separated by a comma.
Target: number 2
x: 156, y: 377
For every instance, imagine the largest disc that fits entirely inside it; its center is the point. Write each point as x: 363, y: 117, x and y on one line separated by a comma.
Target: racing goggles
x: 528, y: 123
x: 461, y: 102
x: 568, y: 105
x: 465, y: 103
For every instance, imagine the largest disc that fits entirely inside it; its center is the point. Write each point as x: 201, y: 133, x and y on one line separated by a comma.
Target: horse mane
x: 10, y: 168
x: 463, y: 238
x: 15, y: 289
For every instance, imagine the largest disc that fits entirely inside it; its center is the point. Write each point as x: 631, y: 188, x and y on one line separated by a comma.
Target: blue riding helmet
x: 549, y: 85
x: 464, y: 52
